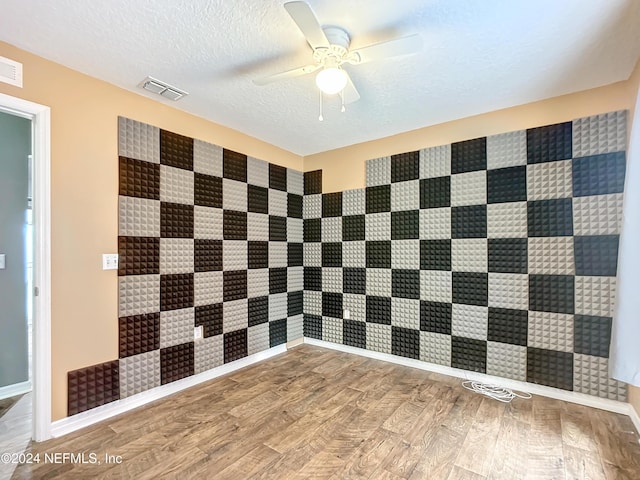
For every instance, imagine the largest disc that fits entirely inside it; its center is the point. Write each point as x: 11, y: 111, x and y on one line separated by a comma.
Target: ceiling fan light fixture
x: 331, y: 80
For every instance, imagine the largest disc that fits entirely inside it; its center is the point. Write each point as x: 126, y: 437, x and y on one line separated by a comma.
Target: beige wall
x: 84, y: 200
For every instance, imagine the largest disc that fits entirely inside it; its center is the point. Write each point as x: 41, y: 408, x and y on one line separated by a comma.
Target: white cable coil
x: 497, y: 393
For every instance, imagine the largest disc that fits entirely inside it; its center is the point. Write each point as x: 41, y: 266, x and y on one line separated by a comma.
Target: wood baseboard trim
x: 98, y: 414
x: 15, y: 389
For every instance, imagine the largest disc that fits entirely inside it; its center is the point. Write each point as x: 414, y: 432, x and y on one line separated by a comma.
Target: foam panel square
x: 138, y: 334
x: 405, y: 284
x: 295, y: 230
x: 234, y: 165
x: 93, y: 386
x: 435, y: 223
x: 507, y: 185
x: 378, y: 337
x: 206, y: 223
x: 470, y: 288
x: 509, y: 290
x: 552, y: 331
x: 354, y: 333
x: 435, y: 161
x: 138, y: 294
x: 313, y: 182
x: 354, y: 254
x: 332, y: 330
x: 139, y: 373
x: 552, y: 293
x: 435, y: 286
x: 313, y: 278
x: 469, y: 222
x: 234, y: 225
x: 549, y: 143
x: 508, y: 326
x: 596, y: 255
x: 277, y: 177
x: 278, y: 306
x: 378, y: 254
x: 598, y: 215
x: 312, y: 326
x: 435, y: 348
x: 176, y: 150
x: 379, y: 282
x: 139, y: 179
x: 138, y: 255
x: 235, y: 345
x: 550, y: 367
x: 210, y: 317
x: 378, y: 171
x: 378, y: 199
x: 257, y: 199
x: 353, y: 228
x: 592, y: 335
x: 277, y: 332
x: 405, y: 225
x: 312, y: 254
x: 435, y: 192
x: 332, y: 254
x: 176, y: 327
x: 176, y: 362
x: 469, y: 156
x: 312, y: 206
x: 277, y: 228
x: 295, y: 305
x: 551, y: 255
x: 332, y: 279
x: 295, y: 182
x: 591, y: 376
x: 507, y: 220
x: 176, y: 255
x: 138, y: 140
x: 436, y: 317
x: 605, y: 133
x: 312, y: 302
x: 331, y: 229
x: 357, y: 306
x: 549, y: 180
x: 207, y: 190
x: 507, y: 361
x: 405, y: 254
x: 294, y: 328
x: 176, y: 291
x: 208, y: 353
x: 379, y: 309
x: 405, y: 196
x: 550, y: 218
x: 278, y: 201
x: 599, y: 174
x: 405, y: 342
x: 469, y: 255
x: 595, y: 295
x: 469, y: 354
x: 331, y: 304
x: 405, y: 166
x: 138, y: 217
x: 295, y: 278
x: 176, y: 185
x: 257, y: 255
x: 353, y: 202
x: 469, y: 188
x: 312, y: 230
x: 207, y: 288
x: 257, y: 172
x: 469, y: 321
x: 258, y: 310
x: 235, y: 284
x: 277, y: 280
x: 508, y: 255
x: 294, y: 206
x: 207, y: 158
x: 176, y: 220
x: 507, y: 150
x: 332, y: 204
x: 278, y: 254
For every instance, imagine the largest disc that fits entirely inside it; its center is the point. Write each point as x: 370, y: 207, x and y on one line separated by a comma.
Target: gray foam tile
x: 208, y: 353
x: 312, y: 302
x: 591, y: 376
x: 312, y: 253
x: 507, y: 220
x: 469, y: 188
x: 377, y: 226
x: 379, y: 282
x: 278, y: 202
x: 405, y: 195
x: 207, y: 288
x: 469, y: 321
x: 257, y: 172
x: 597, y: 215
x: 277, y: 255
x: 595, y: 296
x: 234, y: 254
x: 331, y: 229
x: 507, y: 150
x: 405, y: 254
x: 258, y: 338
x: 176, y: 255
x: 405, y: 313
x: 332, y: 279
x: 435, y: 286
x: 435, y: 223
x: 295, y: 279
x: 509, y: 290
x: 551, y: 255
x: 176, y: 185
x: 234, y: 195
x: 354, y: 254
x: 207, y: 158
x: 357, y: 306
x: 295, y: 230
x: 312, y: 206
x: 235, y: 315
x: 506, y: 360
x: 257, y: 227
x: 138, y: 217
x: 207, y: 223
x: 354, y: 202
x: 379, y: 337
x: 295, y: 181
x: 138, y: 294
x: 138, y: 140
x: 176, y: 327
x: 295, y: 328
x: 549, y: 180
x: 605, y: 133
x: 435, y: 161
x: 258, y: 282
x: 277, y: 306
x: 552, y: 331
x: 469, y: 255
x: 332, y: 329
x: 139, y: 373
x: 378, y: 171
x: 435, y: 348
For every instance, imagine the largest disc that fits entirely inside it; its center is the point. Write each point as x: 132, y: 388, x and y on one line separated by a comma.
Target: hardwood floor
x: 317, y: 413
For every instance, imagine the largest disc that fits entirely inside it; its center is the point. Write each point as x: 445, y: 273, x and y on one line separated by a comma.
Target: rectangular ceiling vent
x: 10, y: 72
x: 161, y: 88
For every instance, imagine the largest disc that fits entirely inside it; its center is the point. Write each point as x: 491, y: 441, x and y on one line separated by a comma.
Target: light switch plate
x: 198, y: 332
x: 346, y: 314
x: 3, y: 264
x: 109, y: 261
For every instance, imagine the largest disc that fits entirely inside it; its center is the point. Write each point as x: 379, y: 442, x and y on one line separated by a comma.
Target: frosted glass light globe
x: 331, y: 80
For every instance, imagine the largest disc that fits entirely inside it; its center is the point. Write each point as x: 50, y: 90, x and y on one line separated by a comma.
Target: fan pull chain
x: 321, y: 118
x: 342, y: 99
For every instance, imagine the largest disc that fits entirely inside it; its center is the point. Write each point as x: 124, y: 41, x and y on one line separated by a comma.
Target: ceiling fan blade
x: 350, y: 93
x: 307, y: 22
x: 392, y: 48
x: 296, y: 72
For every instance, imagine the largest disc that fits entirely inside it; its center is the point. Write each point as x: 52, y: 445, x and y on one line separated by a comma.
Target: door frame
x: 40, y: 116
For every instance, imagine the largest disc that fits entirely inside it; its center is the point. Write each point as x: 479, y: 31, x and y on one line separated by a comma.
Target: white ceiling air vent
x: 10, y: 72
x: 161, y: 88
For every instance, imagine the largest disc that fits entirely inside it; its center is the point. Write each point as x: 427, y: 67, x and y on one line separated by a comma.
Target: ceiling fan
x: 330, y: 45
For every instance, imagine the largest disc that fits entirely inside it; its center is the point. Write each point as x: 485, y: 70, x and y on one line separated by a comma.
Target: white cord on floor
x: 498, y: 393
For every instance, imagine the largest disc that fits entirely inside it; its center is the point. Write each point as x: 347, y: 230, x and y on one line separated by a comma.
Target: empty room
x: 320, y: 239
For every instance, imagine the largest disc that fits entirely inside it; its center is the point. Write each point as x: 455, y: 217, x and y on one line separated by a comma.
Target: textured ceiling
x: 478, y: 56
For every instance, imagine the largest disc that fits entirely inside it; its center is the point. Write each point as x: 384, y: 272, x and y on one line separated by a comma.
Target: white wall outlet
x: 346, y: 314
x: 198, y: 332
x: 3, y: 259
x: 109, y: 261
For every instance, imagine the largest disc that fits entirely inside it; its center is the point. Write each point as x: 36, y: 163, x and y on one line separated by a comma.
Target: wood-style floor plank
x: 317, y: 413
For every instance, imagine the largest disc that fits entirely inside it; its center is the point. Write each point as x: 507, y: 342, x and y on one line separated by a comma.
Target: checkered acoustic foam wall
x: 496, y: 255
x: 207, y: 237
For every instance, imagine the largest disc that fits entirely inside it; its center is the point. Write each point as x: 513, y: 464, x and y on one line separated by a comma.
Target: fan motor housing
x: 338, y: 48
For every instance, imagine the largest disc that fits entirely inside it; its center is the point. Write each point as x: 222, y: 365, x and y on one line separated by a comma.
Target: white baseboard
x: 573, y: 397
x: 98, y: 414
x: 15, y: 389
x: 635, y: 418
